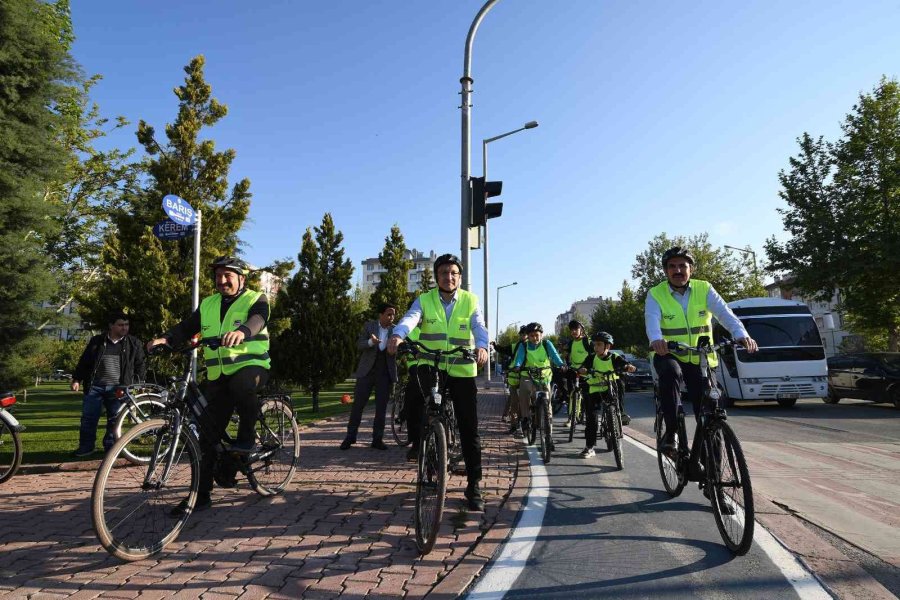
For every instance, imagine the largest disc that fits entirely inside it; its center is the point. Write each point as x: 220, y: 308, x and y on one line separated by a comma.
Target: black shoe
x: 412, y: 455
x: 82, y: 452
x: 203, y: 503
x: 345, y: 445
x: 474, y: 501
x: 242, y: 447
x: 514, y: 428
x: 379, y: 445
x: 625, y: 419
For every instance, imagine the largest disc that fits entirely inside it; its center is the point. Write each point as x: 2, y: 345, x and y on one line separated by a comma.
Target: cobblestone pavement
x: 343, y: 528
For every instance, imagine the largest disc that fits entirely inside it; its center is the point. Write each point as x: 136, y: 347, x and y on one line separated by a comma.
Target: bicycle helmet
x: 532, y: 327
x: 602, y: 336
x: 523, y: 330
x: 231, y: 263
x: 447, y: 259
x: 575, y: 323
x: 677, y: 251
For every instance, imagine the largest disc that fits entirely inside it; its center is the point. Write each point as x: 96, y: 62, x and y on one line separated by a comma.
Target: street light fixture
x: 497, y: 326
x: 484, y: 143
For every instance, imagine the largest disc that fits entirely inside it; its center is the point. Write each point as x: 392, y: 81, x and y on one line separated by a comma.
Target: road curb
x: 842, y: 576
x: 469, y: 568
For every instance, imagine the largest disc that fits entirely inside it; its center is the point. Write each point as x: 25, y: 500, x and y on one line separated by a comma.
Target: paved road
x: 619, y: 534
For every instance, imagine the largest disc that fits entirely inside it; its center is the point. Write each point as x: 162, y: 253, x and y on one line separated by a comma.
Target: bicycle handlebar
x: 702, y: 349
x: 213, y: 343
x: 414, y: 348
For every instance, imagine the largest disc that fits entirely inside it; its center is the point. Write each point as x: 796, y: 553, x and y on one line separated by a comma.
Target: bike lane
x: 343, y: 528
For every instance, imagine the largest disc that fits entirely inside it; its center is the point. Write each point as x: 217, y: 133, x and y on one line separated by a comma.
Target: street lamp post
x: 497, y: 319
x: 465, y: 106
x: 484, y: 143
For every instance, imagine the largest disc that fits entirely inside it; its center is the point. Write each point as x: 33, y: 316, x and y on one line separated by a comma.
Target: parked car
x: 641, y: 377
x: 871, y: 376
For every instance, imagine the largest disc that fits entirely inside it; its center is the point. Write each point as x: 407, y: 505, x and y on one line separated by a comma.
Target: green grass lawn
x: 52, y: 416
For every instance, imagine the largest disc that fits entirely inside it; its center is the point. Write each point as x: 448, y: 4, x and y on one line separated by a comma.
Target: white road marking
x: 514, y: 555
x: 804, y: 582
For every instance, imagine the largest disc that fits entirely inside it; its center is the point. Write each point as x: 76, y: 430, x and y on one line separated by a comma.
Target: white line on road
x: 804, y: 582
x: 504, y: 571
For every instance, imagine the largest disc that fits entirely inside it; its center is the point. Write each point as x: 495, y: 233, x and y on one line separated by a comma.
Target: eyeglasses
x: 450, y: 273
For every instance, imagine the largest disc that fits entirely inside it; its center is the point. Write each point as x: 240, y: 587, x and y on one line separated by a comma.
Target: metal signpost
x: 183, y: 221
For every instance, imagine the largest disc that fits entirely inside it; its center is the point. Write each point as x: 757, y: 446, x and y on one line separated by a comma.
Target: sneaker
x: 203, y: 503
x: 82, y: 452
x: 474, y: 500
x: 345, y: 445
x: 625, y: 419
x: 379, y: 445
x: 587, y: 453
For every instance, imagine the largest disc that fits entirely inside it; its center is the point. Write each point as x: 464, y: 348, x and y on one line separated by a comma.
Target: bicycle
x: 131, y: 504
x: 434, y: 443
x: 715, y: 459
x: 399, y: 424
x: 10, y: 442
x: 610, y: 427
x: 576, y: 408
x: 539, y: 422
x: 140, y: 402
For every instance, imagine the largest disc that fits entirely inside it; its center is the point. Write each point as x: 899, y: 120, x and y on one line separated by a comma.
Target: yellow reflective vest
x: 538, y: 358
x: 685, y: 328
x: 578, y: 354
x: 253, y: 351
x: 439, y: 333
x: 597, y: 383
x: 414, y: 336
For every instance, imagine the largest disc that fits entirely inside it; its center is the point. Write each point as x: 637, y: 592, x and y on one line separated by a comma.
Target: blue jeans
x: 95, y: 398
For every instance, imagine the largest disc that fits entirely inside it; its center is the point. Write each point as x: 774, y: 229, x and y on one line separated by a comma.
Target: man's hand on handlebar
x: 748, y: 343
x: 481, y: 356
x: 232, y: 338
x: 156, y: 342
x: 660, y: 347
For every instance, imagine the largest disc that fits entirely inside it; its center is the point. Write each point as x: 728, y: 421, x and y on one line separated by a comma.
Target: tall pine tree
x: 393, y: 287
x: 149, y: 278
x: 426, y: 283
x: 317, y: 344
x: 35, y: 68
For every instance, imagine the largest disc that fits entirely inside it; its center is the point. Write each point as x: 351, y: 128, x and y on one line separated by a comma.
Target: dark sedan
x: 641, y: 377
x: 871, y: 376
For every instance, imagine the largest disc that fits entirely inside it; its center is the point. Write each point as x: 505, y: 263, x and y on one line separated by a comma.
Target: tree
x: 35, y: 67
x: 317, y: 347
x: 623, y: 319
x: 844, y: 216
x: 152, y: 279
x: 392, y: 289
x: 427, y: 283
x: 729, y: 275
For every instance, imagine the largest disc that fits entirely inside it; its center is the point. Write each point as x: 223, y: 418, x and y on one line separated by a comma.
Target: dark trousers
x: 672, y: 373
x: 378, y: 379
x: 592, y: 404
x: 464, y: 393
x: 225, y: 395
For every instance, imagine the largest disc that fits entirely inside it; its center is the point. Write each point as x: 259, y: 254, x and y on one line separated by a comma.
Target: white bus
x: 790, y: 363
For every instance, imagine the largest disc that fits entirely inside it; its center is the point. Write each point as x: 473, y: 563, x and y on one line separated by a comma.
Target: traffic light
x: 481, y: 209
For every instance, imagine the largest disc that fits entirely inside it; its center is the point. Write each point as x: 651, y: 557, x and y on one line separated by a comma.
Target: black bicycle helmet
x: 677, y: 251
x: 447, y: 259
x: 231, y: 263
x: 532, y: 327
x: 602, y: 336
x: 523, y: 330
x: 575, y: 323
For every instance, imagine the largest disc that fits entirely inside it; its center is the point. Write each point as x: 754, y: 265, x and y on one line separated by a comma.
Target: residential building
x: 372, y: 270
x: 68, y: 324
x: 579, y: 309
x: 828, y: 318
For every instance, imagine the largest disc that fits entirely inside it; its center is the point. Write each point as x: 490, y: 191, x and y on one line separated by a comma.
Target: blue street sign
x: 170, y: 230
x: 178, y: 210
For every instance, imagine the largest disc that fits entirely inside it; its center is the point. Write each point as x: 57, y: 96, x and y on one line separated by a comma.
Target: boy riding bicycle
x: 601, y: 359
x: 537, y: 352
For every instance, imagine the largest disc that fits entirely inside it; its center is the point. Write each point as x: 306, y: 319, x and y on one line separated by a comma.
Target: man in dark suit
x: 377, y: 370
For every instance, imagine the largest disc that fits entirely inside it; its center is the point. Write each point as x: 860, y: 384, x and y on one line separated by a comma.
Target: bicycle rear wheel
x: 431, y: 486
x: 671, y: 468
x: 131, y: 504
x: 614, y: 429
x: 399, y: 419
x: 10, y: 451
x: 146, y: 406
x: 278, y: 438
x: 730, y: 491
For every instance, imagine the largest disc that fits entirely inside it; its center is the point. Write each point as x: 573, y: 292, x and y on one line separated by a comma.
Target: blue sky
x: 654, y: 116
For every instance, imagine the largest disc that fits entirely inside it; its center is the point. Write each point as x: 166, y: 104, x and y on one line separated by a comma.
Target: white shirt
x: 714, y: 302
x: 382, y: 337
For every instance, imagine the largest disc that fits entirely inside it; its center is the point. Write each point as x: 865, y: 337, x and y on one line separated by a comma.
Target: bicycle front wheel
x: 399, y: 418
x: 278, y: 440
x: 728, y: 484
x: 614, y: 428
x: 131, y: 505
x: 543, y: 434
x: 431, y: 486
x: 10, y: 451
x: 145, y: 407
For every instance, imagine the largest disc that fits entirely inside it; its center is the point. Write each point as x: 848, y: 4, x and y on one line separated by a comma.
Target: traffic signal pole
x: 465, y: 106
